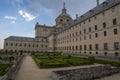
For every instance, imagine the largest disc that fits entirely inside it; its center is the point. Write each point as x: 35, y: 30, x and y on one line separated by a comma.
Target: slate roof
x: 17, y: 38
x: 101, y: 7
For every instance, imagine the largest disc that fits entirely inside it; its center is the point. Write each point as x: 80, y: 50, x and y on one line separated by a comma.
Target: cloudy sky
x: 18, y: 17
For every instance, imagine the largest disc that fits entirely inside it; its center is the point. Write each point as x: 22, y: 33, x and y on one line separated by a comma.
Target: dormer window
x: 67, y: 20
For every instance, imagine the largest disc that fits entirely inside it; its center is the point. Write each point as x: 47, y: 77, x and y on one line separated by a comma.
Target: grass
x: 4, y: 68
x: 55, y: 61
x: 112, y: 63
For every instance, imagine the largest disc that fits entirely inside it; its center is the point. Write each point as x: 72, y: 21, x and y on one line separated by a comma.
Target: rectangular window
x: 95, y: 27
x: 80, y: 32
x: 113, y: 9
x: 90, y: 47
x: 80, y: 47
x: 84, y: 30
x: 96, y: 35
x: 114, y: 21
x: 85, y: 47
x: 89, y: 29
x: 104, y: 25
x: 105, y: 33
x: 116, y: 45
x: 11, y: 44
x: 96, y: 46
x: 105, y: 46
x: 115, y: 31
x: 16, y: 44
x: 84, y: 37
x: 6, y: 44
x: 90, y: 36
x: 80, y: 38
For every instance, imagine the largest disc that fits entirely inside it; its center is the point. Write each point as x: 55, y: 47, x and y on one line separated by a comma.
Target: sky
x: 18, y: 17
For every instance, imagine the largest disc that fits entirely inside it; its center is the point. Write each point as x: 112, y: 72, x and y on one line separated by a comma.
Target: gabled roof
x: 17, y: 38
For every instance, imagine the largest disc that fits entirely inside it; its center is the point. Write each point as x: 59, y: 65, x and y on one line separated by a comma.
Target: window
x: 103, y: 14
x: 29, y: 45
x: 85, y: 47
x: 96, y: 35
x: 90, y: 36
x: 89, y: 20
x: 73, y: 47
x: 115, y: 31
x: 84, y: 30
x: 95, y: 27
x: 76, y: 33
x: 36, y: 45
x: 80, y: 38
x: 84, y: 37
x: 11, y: 44
x: 104, y: 25
x: 67, y: 20
x: 24, y: 45
x: 113, y: 9
x: 20, y: 44
x: 6, y: 44
x: 89, y: 29
x: 95, y: 18
x: 76, y: 47
x: 105, y: 33
x: 80, y: 32
x: 80, y: 47
x: 105, y: 46
x: 61, y: 20
x: 116, y: 45
x: 96, y: 46
x: 16, y: 44
x: 90, y: 47
x: 114, y: 21
x: 33, y: 45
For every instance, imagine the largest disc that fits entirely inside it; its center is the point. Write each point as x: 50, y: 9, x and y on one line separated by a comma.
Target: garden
x: 4, y: 68
x: 7, y: 59
x: 58, y: 60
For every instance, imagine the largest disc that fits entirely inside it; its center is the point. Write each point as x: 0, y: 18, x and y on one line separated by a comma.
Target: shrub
x: 91, y: 59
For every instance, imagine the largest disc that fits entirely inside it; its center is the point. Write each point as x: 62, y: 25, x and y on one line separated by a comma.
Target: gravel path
x: 30, y: 71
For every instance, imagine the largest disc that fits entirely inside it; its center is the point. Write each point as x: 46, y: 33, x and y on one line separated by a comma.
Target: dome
x: 63, y: 18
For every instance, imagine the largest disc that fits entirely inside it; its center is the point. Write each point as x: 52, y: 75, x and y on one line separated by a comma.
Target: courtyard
x: 30, y: 71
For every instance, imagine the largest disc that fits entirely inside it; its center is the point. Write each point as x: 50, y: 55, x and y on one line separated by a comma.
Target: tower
x: 63, y: 18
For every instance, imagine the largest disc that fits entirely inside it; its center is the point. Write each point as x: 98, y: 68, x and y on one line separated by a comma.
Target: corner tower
x: 63, y: 18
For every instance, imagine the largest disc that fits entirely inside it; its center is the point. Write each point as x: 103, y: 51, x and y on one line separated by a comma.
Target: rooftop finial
x: 97, y: 2
x: 64, y: 5
x: 64, y: 9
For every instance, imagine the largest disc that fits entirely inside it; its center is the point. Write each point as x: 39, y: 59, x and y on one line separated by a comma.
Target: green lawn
x: 4, y: 68
x: 53, y: 61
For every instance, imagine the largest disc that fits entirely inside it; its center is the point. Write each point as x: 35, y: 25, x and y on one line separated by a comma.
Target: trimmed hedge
x: 112, y: 63
x: 50, y: 61
x: 4, y: 68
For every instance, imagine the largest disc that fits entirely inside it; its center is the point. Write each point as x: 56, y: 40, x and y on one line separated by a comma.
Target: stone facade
x: 97, y: 32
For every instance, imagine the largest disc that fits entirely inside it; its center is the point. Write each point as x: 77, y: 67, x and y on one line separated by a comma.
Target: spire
x: 64, y: 5
x: 64, y: 9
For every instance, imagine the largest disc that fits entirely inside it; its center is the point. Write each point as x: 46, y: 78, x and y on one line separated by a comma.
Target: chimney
x: 97, y: 2
x: 76, y: 16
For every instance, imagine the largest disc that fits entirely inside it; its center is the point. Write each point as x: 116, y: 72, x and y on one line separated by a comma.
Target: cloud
x: 13, y: 22
x: 26, y: 15
x: 10, y: 17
